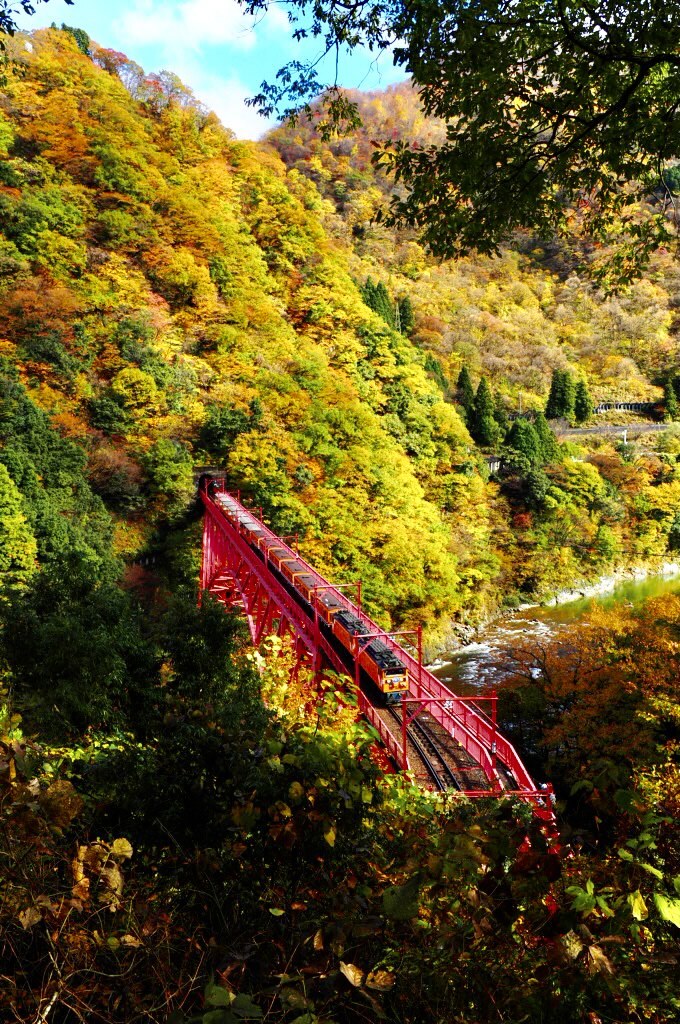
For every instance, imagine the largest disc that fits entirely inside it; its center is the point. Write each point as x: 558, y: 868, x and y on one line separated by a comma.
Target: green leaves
x: 225, y: 1007
x: 552, y: 118
x: 587, y: 901
x: 638, y: 907
x: 18, y: 548
x: 402, y: 902
x: 668, y: 908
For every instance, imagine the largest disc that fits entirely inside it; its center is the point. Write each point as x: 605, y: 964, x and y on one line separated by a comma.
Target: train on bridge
x: 247, y: 566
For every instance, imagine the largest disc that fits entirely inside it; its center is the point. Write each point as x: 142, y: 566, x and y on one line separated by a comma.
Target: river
x: 482, y: 666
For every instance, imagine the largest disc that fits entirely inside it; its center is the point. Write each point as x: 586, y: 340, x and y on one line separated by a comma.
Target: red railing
x: 389, y: 741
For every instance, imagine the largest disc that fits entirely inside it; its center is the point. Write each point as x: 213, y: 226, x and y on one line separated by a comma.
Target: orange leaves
x: 98, y: 865
x: 28, y: 917
x: 39, y: 306
x: 70, y: 425
x: 606, y: 689
x: 60, y: 803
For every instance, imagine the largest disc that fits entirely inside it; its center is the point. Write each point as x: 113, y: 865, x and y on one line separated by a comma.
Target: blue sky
x: 215, y: 49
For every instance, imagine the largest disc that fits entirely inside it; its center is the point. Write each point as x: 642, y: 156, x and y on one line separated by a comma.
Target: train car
x: 346, y: 627
x: 292, y: 568
x: 306, y: 584
x: 328, y: 604
x: 379, y: 668
x: 376, y: 660
x: 277, y: 556
x: 386, y: 670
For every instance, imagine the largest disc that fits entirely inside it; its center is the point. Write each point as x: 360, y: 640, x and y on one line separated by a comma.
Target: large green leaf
x: 215, y: 995
x: 669, y: 908
x: 245, y: 1008
x: 638, y: 907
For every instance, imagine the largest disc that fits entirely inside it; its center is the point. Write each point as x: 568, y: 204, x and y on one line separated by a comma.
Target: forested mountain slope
x: 513, y: 318
x: 171, y: 298
x: 192, y: 831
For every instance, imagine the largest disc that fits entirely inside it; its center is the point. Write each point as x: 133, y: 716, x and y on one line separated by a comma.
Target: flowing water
x: 482, y: 666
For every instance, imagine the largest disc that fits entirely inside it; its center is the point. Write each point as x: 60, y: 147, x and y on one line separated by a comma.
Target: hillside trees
x: 377, y: 298
x: 81, y: 37
x: 77, y: 651
x: 523, y: 438
x: 397, y: 312
x: 670, y: 401
x: 18, y: 549
x: 483, y: 425
x: 124, y: 369
x: 466, y: 393
x: 406, y: 314
x: 272, y: 806
x: 549, y: 446
x: 216, y: 322
x: 512, y: 318
x: 174, y: 298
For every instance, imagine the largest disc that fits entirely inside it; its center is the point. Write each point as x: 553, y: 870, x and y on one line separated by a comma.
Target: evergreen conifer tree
x: 466, y: 392
x: 523, y: 438
x: 377, y: 298
x: 406, y: 316
x: 384, y: 304
x: 549, y: 446
x: 562, y: 395
x: 484, y: 404
x: 81, y: 37
x: 569, y: 391
x: 481, y: 422
x: 486, y: 432
x: 500, y: 415
x: 552, y: 406
x: 669, y: 400
x: 367, y: 290
x: 583, y: 403
x: 536, y: 487
x: 433, y: 366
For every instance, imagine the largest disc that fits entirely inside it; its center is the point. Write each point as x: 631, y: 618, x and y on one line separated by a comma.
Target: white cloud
x: 227, y: 98
x: 187, y: 24
x: 179, y: 34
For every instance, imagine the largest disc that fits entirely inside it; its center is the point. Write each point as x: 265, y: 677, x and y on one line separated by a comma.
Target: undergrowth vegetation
x: 247, y: 860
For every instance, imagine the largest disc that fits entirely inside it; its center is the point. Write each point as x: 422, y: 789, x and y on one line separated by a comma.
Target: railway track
x: 430, y: 753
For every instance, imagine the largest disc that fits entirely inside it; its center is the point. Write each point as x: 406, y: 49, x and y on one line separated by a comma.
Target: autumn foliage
x: 188, y: 834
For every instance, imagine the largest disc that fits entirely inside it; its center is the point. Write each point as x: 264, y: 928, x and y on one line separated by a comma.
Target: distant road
x: 630, y: 428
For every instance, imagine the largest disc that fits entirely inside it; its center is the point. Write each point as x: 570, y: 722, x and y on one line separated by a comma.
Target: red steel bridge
x: 247, y: 566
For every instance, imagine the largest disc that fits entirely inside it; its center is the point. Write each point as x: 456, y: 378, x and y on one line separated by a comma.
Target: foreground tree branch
x: 549, y: 106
